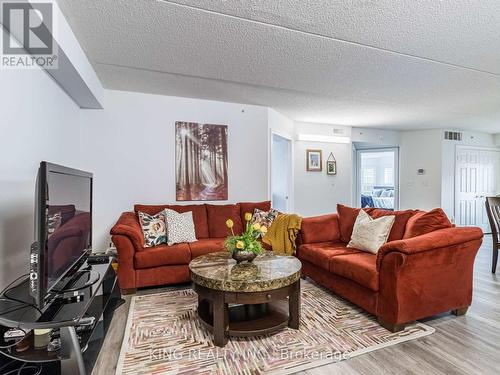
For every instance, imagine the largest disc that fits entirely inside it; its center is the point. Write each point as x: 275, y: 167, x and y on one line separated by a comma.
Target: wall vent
x: 338, y: 131
x: 452, y: 136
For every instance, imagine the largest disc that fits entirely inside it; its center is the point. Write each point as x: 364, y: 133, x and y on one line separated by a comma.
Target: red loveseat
x: 162, y: 265
x: 424, y: 269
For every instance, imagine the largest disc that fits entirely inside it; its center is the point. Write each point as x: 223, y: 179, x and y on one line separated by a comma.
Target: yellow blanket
x: 282, y: 234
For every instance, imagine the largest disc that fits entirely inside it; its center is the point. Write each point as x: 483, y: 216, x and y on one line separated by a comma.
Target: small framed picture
x: 331, y: 167
x: 314, y: 160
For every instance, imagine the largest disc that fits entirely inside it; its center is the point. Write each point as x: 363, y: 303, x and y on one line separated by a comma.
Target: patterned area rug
x: 163, y: 336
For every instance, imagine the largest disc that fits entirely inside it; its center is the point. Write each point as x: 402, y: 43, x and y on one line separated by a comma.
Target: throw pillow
x: 348, y: 215
x: 386, y: 193
x: 426, y: 222
x: 153, y: 228
x: 180, y: 227
x: 264, y: 218
x: 370, y: 234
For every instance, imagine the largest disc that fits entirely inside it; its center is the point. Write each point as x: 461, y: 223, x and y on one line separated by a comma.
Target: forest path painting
x: 201, y: 161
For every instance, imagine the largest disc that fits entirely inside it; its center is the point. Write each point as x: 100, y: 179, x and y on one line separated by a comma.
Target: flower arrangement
x: 247, y: 242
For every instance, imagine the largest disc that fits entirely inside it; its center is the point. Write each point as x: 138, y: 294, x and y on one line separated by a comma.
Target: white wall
x: 420, y: 149
x: 497, y: 139
x: 130, y: 148
x: 317, y: 193
x: 38, y: 122
x: 364, y: 138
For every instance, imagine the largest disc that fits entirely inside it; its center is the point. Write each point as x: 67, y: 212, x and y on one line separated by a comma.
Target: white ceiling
x: 394, y: 64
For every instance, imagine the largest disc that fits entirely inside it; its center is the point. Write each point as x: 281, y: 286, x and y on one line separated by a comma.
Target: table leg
x: 294, y: 307
x: 203, y: 307
x: 221, y: 320
x: 71, y: 361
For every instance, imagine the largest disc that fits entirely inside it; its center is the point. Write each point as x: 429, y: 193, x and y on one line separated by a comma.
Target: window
x: 388, y: 176
x: 367, y: 180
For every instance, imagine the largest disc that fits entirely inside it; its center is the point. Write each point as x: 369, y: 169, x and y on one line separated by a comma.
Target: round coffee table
x: 248, y: 299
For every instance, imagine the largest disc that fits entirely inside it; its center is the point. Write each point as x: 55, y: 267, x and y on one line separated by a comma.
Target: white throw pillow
x: 180, y: 227
x: 370, y: 234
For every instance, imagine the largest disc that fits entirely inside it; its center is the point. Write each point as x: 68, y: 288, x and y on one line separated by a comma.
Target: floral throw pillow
x: 153, y: 228
x: 180, y: 227
x: 264, y: 218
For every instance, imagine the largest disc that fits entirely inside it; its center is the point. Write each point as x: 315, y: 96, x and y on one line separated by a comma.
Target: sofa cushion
x: 320, y: 228
x: 426, y: 222
x: 217, y: 216
x: 360, y: 267
x: 251, y: 206
x: 199, y: 214
x: 398, y: 228
x: 205, y: 246
x: 163, y: 255
x: 321, y: 253
x: 348, y: 215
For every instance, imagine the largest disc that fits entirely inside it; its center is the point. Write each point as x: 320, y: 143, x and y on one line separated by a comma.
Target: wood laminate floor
x: 468, y: 344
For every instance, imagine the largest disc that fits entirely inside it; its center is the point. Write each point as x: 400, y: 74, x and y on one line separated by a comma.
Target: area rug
x: 163, y: 336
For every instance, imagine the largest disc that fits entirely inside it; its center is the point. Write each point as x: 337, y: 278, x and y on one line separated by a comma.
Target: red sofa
x: 424, y: 269
x: 160, y: 265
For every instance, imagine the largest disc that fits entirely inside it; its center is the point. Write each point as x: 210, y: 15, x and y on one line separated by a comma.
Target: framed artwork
x: 200, y: 162
x: 331, y: 165
x: 314, y: 160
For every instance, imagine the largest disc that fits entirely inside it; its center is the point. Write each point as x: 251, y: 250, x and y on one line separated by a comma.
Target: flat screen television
x: 63, y: 228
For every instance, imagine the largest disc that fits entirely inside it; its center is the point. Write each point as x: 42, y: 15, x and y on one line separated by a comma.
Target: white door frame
x: 290, y: 184
x: 358, y: 173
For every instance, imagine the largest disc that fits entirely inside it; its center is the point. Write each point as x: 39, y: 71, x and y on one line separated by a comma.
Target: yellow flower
x: 229, y: 223
x: 263, y: 229
x: 256, y: 226
x: 248, y: 216
x: 240, y: 245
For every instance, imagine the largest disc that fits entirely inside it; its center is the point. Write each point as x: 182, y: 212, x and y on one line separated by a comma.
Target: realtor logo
x: 27, y: 40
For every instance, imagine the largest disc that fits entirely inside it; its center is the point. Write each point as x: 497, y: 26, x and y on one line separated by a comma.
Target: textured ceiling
x: 387, y: 64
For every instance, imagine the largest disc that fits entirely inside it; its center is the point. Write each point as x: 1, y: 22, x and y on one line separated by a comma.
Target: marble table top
x: 267, y: 272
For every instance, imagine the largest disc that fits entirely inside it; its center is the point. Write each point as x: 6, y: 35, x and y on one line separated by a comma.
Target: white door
x: 477, y: 174
x: 281, y: 172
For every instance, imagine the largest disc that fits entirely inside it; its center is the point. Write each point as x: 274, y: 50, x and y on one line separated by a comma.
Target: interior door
x: 281, y: 172
x: 476, y: 178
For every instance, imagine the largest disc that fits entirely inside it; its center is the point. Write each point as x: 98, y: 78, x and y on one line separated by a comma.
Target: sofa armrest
x: 126, y: 269
x: 427, y: 275
x: 323, y: 228
x: 128, y: 226
x: 441, y: 238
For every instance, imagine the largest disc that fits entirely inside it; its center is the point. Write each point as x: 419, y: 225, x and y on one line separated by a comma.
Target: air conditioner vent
x: 452, y: 136
x: 338, y: 131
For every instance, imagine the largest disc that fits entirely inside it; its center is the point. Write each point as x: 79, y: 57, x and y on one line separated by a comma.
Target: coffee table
x: 248, y: 299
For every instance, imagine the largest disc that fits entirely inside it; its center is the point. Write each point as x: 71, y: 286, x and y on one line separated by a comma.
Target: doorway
x: 281, y: 172
x: 476, y: 177
x: 378, y: 178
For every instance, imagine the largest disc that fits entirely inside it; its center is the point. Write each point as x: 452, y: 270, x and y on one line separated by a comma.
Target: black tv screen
x: 63, y: 227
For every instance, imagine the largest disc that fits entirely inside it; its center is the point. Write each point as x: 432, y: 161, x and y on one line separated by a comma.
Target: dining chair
x: 493, y: 210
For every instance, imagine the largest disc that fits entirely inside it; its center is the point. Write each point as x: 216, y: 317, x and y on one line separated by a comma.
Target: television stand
x: 79, y: 347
